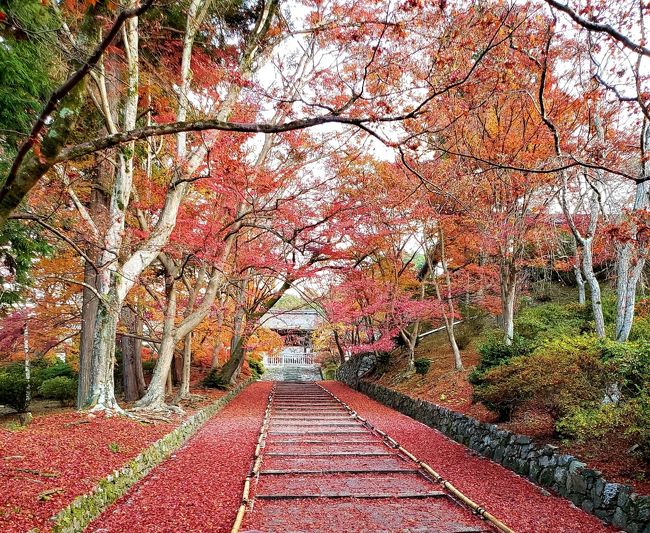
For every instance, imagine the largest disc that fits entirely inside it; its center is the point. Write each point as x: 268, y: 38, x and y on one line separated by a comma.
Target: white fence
x: 291, y: 355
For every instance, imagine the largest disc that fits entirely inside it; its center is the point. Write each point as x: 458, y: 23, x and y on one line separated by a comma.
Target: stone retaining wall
x: 85, y: 508
x: 356, y: 368
x: 614, y: 503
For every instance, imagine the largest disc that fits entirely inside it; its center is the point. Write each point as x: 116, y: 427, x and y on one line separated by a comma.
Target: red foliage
x: 511, y: 498
x: 67, y: 451
x: 199, y: 488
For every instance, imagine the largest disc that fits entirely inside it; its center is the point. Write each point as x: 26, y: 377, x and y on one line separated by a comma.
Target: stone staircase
x: 292, y: 373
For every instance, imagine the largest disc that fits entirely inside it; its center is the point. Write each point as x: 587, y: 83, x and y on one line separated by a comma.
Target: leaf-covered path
x: 316, y: 475
x: 199, y: 487
x: 523, y: 506
x: 323, y: 470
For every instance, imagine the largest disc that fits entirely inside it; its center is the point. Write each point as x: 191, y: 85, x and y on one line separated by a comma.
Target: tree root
x: 155, y: 413
x: 106, y: 410
x: 188, y: 399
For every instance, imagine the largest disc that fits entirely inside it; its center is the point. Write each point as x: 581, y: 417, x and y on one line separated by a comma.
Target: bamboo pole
x: 240, y: 518
x: 408, y: 454
x: 257, y: 457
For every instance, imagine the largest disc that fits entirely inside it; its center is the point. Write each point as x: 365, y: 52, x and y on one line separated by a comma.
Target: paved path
x: 324, y: 471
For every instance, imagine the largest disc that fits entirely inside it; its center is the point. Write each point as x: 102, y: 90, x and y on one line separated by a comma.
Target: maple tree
x: 170, y: 172
x: 184, y: 168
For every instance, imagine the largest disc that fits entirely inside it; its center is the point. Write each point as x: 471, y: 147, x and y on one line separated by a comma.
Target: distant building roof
x: 304, y: 319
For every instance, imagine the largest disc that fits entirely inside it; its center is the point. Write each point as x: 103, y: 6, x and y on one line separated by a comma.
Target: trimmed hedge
x: 13, y: 391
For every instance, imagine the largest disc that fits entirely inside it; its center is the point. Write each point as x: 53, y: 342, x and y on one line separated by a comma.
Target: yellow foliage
x: 264, y: 341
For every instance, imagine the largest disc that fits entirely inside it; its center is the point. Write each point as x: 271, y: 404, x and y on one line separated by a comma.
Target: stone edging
x: 85, y: 508
x: 614, y: 503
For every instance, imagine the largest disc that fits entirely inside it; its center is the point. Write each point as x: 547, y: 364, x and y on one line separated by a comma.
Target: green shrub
x: 40, y: 373
x: 608, y: 300
x: 584, y: 424
x: 629, y: 418
x: 541, y: 322
x: 60, y: 388
x: 422, y: 365
x: 148, y: 366
x: 633, y: 362
x: 560, y: 377
x: 257, y: 367
x: 636, y: 413
x: 495, y: 352
x: 13, y: 389
x: 641, y: 329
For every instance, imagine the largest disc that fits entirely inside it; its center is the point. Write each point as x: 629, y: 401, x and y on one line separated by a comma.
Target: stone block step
x: 319, y: 432
x: 320, y: 447
x: 307, y: 424
x: 390, y: 484
x: 333, y: 440
x: 415, y: 515
x: 334, y: 462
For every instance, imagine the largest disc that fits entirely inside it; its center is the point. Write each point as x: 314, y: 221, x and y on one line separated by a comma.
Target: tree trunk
x: 169, y: 388
x: 582, y: 297
x: 90, y: 304
x: 449, y: 314
x: 102, y: 387
x: 184, y: 389
x: 339, y: 347
x: 594, y: 287
x: 586, y: 242
x: 577, y: 272
x: 411, y: 363
x: 218, y: 345
x: 28, y: 366
x: 89, y: 307
x: 137, y: 361
x: 629, y: 268
x: 177, y: 368
x: 131, y: 348
x: 155, y: 395
x: 229, y: 372
x: 410, y: 339
x: 508, y: 281
x: 451, y: 335
x: 112, y: 282
x: 628, y: 274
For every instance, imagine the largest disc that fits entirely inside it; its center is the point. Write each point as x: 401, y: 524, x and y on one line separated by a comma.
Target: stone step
x: 399, y: 483
x: 415, y: 515
x: 295, y: 373
x: 334, y: 462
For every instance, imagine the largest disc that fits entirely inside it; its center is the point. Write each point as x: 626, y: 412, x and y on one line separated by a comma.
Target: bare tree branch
x: 56, y: 232
x: 598, y: 27
x: 67, y: 87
